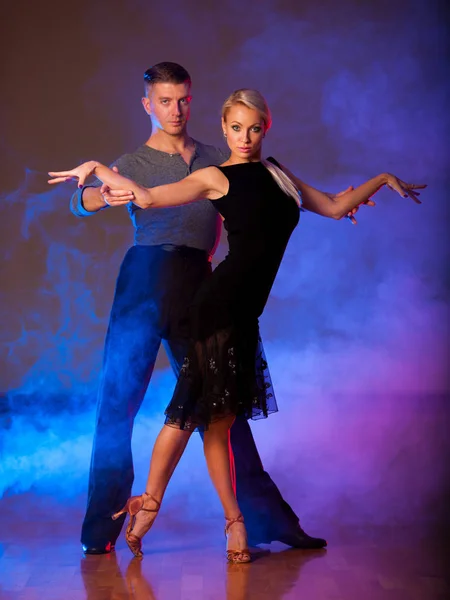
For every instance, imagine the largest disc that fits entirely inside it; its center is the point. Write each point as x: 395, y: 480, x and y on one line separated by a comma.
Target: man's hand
x: 115, y: 197
x: 351, y: 215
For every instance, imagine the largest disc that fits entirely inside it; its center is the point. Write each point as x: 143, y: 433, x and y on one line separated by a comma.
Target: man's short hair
x: 166, y: 72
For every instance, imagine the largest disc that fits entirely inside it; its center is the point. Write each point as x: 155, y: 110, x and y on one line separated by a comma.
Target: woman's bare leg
x: 217, y: 449
x: 167, y: 451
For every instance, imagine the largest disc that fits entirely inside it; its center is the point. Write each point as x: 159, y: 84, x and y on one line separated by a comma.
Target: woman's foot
x: 143, y: 511
x: 237, y: 545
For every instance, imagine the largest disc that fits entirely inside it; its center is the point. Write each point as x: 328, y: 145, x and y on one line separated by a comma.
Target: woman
x: 220, y: 378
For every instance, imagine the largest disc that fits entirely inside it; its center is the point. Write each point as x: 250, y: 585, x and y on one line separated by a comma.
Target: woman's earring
x: 224, y: 134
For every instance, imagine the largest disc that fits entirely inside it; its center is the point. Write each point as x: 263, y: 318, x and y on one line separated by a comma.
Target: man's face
x: 168, y: 106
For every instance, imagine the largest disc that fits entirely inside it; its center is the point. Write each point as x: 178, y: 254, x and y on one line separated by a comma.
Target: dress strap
x: 274, y: 161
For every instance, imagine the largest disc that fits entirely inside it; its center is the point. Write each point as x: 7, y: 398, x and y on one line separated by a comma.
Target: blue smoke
x: 356, y: 330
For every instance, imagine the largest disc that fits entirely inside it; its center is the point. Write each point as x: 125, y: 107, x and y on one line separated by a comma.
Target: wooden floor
x: 41, y: 559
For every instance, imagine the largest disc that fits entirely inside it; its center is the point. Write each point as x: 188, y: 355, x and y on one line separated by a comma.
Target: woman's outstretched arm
x: 204, y: 183
x: 335, y: 207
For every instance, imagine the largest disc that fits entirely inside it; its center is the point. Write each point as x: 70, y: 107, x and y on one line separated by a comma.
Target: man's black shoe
x: 300, y: 539
x: 296, y: 539
x: 106, y: 549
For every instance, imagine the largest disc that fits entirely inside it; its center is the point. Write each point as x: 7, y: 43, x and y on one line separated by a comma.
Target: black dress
x: 225, y: 371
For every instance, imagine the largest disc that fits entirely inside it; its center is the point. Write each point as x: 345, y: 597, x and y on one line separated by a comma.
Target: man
x: 157, y: 280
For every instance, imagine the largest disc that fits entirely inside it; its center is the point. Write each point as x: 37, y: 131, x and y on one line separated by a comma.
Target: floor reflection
x: 41, y: 559
x: 272, y: 576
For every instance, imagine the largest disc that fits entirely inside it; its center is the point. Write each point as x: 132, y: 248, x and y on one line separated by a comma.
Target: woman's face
x: 244, y: 130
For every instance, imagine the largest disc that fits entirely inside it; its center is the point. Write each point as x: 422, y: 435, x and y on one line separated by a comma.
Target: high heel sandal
x: 134, y: 505
x: 236, y: 556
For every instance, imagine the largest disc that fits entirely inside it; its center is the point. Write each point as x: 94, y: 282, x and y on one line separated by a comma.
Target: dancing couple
x: 177, y: 189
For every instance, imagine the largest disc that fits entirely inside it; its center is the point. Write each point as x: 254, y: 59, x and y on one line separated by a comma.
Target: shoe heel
x: 121, y: 512
x: 134, y: 505
x: 131, y: 507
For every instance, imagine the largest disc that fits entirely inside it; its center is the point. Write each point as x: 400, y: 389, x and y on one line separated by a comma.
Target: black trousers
x: 153, y: 290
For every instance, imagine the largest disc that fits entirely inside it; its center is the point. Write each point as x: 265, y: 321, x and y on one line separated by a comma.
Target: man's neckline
x: 171, y: 154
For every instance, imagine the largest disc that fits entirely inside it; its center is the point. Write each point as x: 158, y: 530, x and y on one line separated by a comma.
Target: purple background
x: 356, y: 330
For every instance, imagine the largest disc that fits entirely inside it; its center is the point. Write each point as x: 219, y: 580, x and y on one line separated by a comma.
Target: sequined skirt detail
x: 223, y: 374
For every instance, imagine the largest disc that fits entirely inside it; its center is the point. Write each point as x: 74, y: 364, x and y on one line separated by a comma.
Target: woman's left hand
x: 404, y: 189
x: 80, y: 173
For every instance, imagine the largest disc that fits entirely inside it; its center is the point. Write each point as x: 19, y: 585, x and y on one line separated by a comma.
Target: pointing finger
x: 60, y: 173
x: 413, y: 197
x: 59, y: 180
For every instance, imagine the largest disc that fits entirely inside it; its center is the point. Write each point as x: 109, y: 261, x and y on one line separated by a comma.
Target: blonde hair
x: 255, y: 100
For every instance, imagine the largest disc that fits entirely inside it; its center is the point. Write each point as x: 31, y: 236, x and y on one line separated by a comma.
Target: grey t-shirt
x: 196, y: 225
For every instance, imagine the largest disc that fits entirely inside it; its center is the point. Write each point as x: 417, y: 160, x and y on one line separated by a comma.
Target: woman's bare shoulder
x: 216, y: 182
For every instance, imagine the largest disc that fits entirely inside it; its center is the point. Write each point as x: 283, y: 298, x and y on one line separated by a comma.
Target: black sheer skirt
x: 224, y: 373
